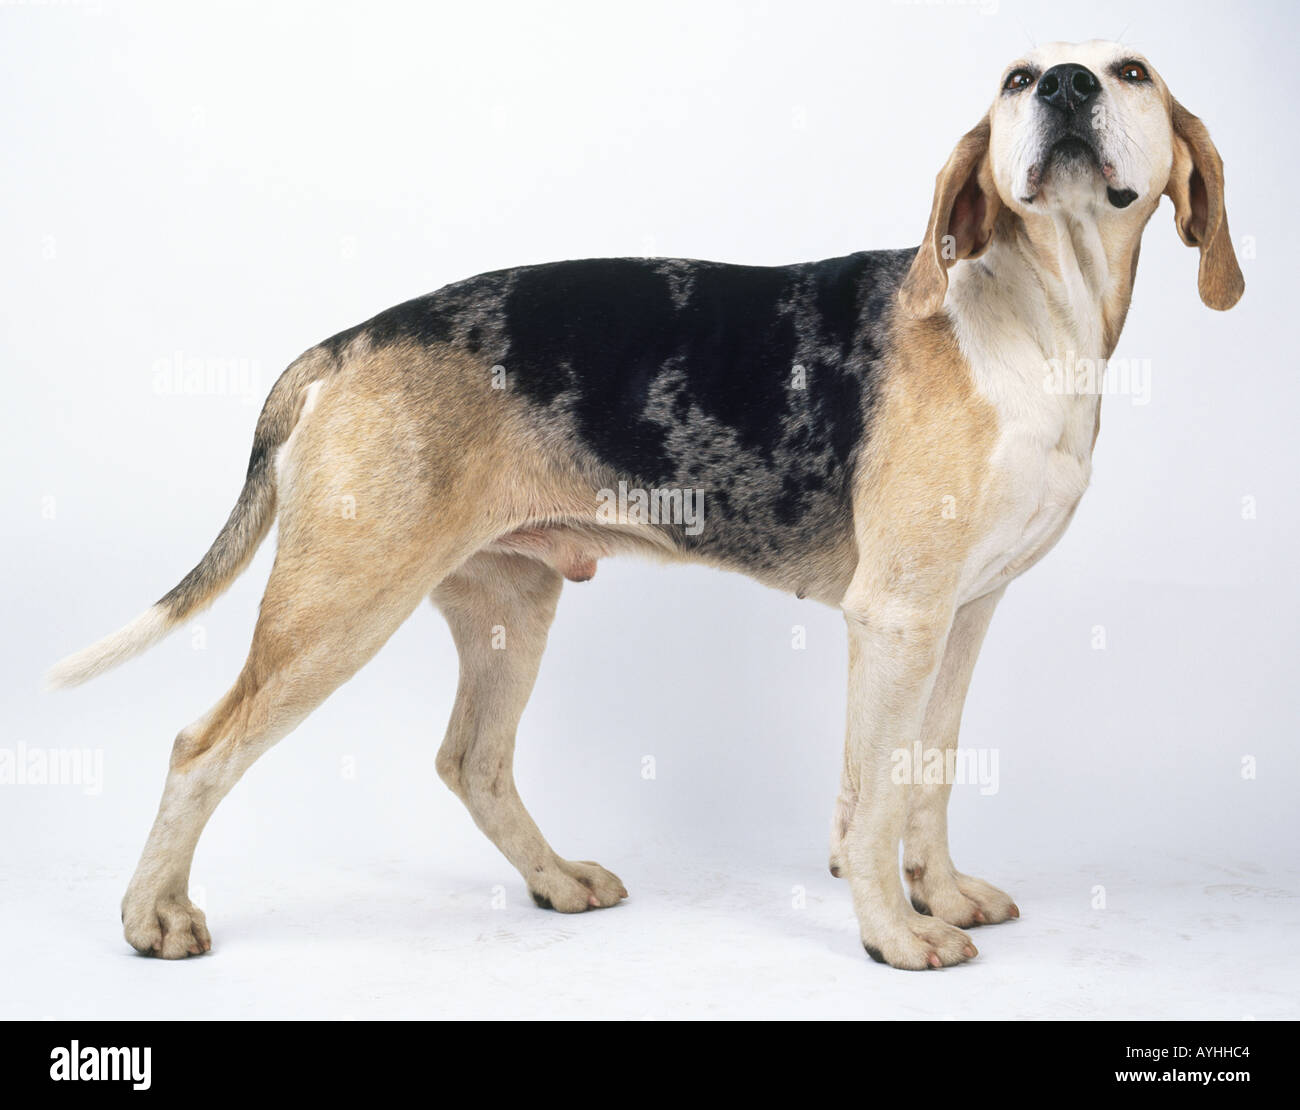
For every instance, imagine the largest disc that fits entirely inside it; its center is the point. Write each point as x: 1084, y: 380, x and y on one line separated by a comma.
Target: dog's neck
x: 1050, y: 290
x: 1064, y: 283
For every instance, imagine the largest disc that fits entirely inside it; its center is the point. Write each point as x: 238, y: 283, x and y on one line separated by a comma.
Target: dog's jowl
x: 878, y: 432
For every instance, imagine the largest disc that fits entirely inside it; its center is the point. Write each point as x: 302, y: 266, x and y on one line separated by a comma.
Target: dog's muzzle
x: 1069, y: 94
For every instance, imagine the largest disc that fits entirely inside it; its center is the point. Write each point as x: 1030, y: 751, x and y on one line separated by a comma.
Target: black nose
x: 1068, y: 87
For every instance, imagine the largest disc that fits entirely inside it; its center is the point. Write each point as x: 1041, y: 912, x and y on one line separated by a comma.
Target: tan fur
x: 930, y: 442
x: 512, y: 597
x: 1196, y: 188
x: 965, y: 183
x: 385, y: 496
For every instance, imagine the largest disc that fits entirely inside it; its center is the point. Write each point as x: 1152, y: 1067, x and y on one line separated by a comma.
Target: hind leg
x: 405, y: 464
x: 360, y: 544
x: 500, y: 609
x: 311, y: 637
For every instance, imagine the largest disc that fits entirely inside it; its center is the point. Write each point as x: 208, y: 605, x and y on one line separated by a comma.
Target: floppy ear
x: 1196, y: 188
x: 961, y: 223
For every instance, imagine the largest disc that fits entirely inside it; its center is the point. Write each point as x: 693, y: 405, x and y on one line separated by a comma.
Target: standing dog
x: 872, y: 431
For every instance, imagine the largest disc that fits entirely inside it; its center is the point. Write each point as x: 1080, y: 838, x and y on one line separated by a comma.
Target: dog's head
x: 1078, y: 133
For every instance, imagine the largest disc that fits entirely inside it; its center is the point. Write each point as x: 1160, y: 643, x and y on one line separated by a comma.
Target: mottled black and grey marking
x: 675, y: 373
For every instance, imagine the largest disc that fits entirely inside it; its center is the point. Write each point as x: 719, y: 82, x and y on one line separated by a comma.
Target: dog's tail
x: 231, y: 551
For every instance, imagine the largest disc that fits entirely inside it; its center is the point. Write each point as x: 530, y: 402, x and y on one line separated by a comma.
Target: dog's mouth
x: 1072, y: 150
x: 1073, y: 154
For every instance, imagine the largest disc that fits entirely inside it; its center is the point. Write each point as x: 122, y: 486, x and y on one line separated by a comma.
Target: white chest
x: 1041, y: 460
x: 1038, y: 472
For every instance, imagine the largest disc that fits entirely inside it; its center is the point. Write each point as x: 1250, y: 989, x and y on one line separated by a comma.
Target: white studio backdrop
x: 227, y: 185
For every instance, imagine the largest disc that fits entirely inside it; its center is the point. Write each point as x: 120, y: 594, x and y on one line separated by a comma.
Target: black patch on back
x: 600, y: 332
x: 676, y: 373
x: 445, y: 316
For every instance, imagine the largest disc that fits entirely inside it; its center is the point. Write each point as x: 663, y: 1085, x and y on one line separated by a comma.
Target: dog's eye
x: 1018, y: 79
x: 1135, y: 72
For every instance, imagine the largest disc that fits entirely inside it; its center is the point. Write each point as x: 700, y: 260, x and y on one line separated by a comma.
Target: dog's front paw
x: 917, y: 943
x: 959, y: 899
x: 170, y: 926
x: 573, y: 887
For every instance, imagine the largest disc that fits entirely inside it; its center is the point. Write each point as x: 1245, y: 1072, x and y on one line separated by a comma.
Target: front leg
x: 938, y: 888
x: 895, y: 649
